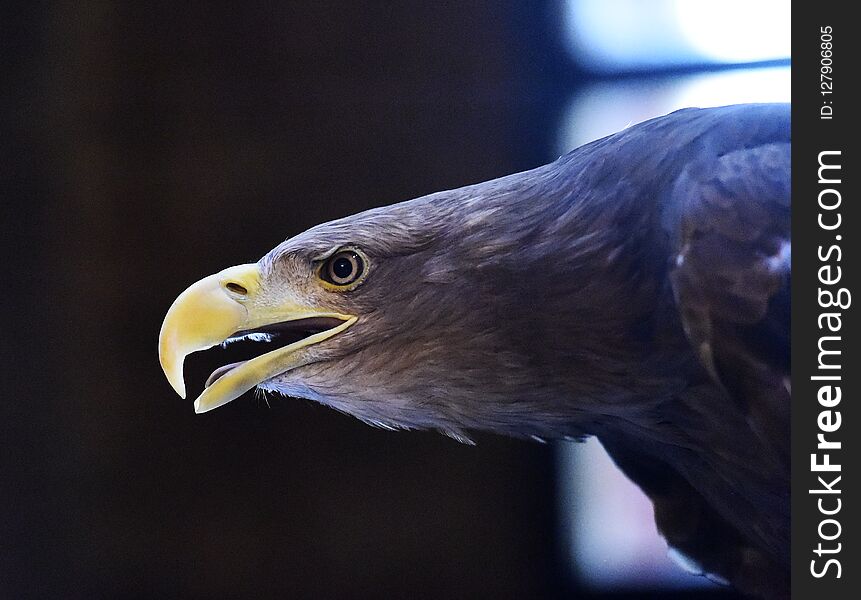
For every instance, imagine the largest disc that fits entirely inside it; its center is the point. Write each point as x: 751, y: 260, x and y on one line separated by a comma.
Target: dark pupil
x: 342, y: 268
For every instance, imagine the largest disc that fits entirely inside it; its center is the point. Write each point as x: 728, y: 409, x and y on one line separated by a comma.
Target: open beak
x: 226, y: 306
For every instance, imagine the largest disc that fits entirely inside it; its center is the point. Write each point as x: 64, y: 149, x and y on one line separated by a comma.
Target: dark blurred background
x: 147, y: 144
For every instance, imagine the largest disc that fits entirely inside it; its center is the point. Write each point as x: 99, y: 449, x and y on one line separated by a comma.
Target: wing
x: 729, y: 219
x: 731, y: 280
x: 727, y: 212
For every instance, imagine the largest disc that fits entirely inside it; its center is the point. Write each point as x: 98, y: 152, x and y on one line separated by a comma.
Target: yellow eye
x: 343, y: 268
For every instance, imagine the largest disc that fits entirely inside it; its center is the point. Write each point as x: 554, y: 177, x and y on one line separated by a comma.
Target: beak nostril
x: 236, y: 288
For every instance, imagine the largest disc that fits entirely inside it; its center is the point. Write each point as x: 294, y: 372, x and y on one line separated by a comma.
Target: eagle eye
x: 343, y: 268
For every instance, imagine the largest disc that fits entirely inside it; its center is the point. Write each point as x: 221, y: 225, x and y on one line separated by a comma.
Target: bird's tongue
x: 220, y: 371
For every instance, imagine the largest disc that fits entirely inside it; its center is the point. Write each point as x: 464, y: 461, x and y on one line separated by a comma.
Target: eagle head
x: 422, y: 315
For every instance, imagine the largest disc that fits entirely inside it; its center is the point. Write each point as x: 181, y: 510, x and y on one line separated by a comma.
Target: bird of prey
x: 636, y: 289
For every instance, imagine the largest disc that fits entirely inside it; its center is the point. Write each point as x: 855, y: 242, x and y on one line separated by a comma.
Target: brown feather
x: 636, y: 289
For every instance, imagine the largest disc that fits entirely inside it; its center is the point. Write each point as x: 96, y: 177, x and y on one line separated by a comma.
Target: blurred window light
x: 610, y: 526
x: 607, y: 107
x: 622, y: 35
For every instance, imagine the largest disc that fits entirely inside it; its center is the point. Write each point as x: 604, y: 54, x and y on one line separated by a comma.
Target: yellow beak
x: 218, y: 307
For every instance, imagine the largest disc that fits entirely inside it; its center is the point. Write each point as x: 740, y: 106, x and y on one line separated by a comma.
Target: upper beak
x: 220, y: 306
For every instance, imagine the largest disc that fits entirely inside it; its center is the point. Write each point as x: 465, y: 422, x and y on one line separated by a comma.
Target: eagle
x: 637, y: 289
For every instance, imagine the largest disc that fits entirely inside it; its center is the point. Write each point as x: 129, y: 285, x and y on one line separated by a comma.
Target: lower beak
x: 219, y: 307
